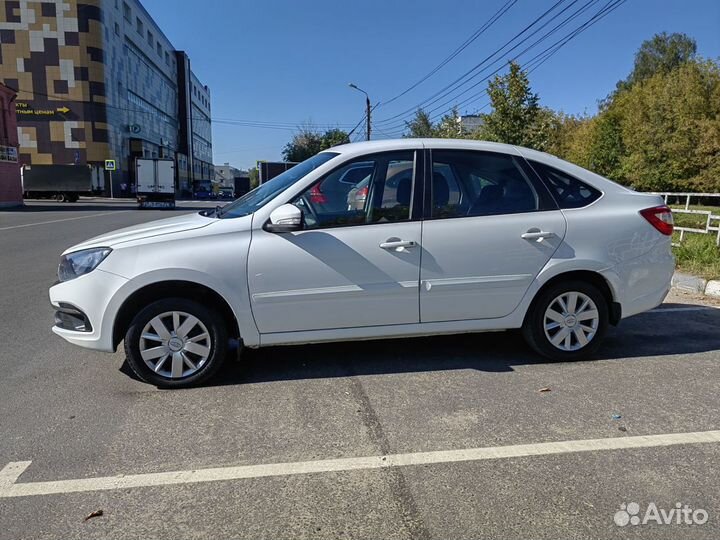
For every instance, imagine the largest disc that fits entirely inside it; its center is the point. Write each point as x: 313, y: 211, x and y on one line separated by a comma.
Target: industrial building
x: 98, y: 80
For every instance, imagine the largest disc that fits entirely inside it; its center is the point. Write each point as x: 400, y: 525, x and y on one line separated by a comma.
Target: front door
x: 356, y: 263
x: 491, y: 228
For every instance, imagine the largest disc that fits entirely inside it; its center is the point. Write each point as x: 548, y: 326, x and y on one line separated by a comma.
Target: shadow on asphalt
x: 645, y: 335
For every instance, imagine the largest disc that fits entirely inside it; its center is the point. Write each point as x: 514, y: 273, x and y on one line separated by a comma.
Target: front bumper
x: 92, y: 296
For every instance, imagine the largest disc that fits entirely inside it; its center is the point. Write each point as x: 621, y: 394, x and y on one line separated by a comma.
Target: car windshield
x: 261, y: 195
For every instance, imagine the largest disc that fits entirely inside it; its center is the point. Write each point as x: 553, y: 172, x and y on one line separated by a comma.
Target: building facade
x: 225, y: 175
x: 10, y: 188
x: 471, y: 122
x: 98, y: 80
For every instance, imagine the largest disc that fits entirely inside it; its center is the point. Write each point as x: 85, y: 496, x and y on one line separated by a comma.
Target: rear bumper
x: 642, y: 283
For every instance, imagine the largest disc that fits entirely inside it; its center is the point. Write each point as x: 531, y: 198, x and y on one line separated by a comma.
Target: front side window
x: 374, y: 189
x: 264, y: 193
x: 468, y: 183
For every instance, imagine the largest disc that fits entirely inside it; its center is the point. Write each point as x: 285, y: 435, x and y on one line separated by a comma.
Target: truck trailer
x: 155, y: 186
x: 65, y: 183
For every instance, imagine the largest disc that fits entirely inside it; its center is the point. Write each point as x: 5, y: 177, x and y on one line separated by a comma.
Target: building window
x: 126, y: 12
x: 117, y: 29
x: 159, y: 49
x: 150, y: 38
x: 167, y: 58
x: 139, y: 26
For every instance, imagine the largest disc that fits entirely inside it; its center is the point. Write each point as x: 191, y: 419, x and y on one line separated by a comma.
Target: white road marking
x: 64, y: 219
x: 690, y: 308
x: 10, y: 474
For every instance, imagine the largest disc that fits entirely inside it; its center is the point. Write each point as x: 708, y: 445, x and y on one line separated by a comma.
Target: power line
x: 473, y: 69
x: 540, y: 58
x: 536, y: 60
x: 287, y: 126
x: 458, y: 50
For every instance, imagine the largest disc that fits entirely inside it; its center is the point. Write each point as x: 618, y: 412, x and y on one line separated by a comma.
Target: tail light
x: 317, y: 196
x: 659, y: 217
x: 361, y: 194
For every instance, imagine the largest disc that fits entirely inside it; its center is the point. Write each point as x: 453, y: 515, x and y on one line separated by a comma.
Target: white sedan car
x: 450, y: 236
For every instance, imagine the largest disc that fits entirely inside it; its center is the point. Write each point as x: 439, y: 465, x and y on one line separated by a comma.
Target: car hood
x: 146, y: 230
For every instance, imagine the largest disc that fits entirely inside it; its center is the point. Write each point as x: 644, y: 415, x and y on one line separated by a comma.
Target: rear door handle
x: 392, y: 243
x: 535, y: 234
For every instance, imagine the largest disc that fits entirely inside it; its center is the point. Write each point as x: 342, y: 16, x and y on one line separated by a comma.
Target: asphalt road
x: 76, y: 414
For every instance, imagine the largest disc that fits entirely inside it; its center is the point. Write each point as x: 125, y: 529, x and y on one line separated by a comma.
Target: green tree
x: 670, y: 127
x: 308, y: 141
x: 254, y: 175
x: 606, y: 147
x: 420, y: 126
x: 661, y: 54
x: 334, y: 137
x: 449, y: 126
x: 517, y: 117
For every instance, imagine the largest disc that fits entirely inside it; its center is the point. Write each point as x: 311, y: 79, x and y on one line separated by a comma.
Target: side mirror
x: 285, y: 218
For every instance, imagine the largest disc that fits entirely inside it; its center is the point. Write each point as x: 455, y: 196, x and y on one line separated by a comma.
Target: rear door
x: 145, y: 175
x: 490, y: 227
x: 166, y: 176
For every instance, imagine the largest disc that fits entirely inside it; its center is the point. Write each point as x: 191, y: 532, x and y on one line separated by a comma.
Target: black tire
x: 61, y: 197
x: 533, y: 329
x: 217, y: 341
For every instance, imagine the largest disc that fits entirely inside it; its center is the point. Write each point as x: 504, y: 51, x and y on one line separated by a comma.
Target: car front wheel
x: 568, y: 321
x: 175, y: 343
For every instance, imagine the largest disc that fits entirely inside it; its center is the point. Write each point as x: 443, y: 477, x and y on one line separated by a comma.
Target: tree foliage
x: 658, y: 131
x: 660, y: 54
x: 254, y: 176
x: 308, y: 141
x: 420, y: 126
x: 517, y: 117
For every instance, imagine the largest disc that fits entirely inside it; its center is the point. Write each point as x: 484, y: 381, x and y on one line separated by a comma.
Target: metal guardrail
x: 711, y: 216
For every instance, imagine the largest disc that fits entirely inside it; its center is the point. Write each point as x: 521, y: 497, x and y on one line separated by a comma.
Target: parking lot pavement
x: 78, y: 415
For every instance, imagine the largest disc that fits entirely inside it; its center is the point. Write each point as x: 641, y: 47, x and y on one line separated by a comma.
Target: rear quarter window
x: 568, y: 191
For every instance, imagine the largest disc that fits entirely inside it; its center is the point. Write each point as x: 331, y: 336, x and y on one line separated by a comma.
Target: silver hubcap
x: 175, y: 344
x: 571, y: 321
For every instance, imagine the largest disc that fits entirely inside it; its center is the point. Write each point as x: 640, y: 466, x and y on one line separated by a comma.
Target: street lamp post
x: 367, y: 108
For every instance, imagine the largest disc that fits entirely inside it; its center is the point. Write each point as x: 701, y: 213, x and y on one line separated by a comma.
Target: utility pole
x: 368, y: 109
x: 367, y: 106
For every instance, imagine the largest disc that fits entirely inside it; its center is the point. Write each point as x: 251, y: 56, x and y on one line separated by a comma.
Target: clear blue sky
x: 287, y: 62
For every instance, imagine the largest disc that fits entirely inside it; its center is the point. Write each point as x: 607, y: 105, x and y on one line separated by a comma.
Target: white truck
x: 155, y: 183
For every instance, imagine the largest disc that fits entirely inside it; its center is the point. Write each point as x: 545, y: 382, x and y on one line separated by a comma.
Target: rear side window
x: 471, y: 183
x: 569, y: 192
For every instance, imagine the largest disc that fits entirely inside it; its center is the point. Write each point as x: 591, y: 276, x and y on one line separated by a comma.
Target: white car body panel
x: 347, y: 279
x: 480, y: 267
x: 338, y: 284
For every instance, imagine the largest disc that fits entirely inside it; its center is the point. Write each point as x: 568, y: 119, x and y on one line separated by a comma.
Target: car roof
x: 367, y: 147
x: 409, y: 143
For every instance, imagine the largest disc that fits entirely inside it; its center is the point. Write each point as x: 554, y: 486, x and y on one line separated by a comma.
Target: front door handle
x: 536, y: 234
x: 397, y: 244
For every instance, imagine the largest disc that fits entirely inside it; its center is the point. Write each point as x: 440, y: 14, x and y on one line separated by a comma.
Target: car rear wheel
x: 568, y: 321
x: 175, y: 343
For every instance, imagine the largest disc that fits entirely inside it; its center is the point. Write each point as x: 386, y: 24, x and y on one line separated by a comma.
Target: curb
x: 692, y: 284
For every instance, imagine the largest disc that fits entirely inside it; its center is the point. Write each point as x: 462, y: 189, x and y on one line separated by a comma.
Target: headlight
x: 81, y: 262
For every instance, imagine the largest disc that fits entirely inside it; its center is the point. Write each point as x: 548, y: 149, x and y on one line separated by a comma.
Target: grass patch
x: 698, y: 255
x: 696, y: 221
